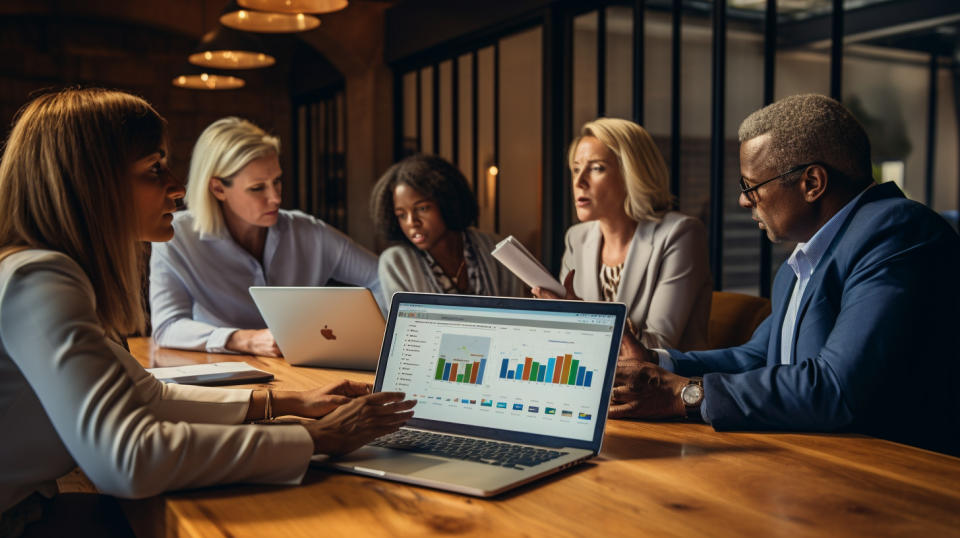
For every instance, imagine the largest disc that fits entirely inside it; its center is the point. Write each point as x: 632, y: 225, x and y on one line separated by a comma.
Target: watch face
x: 691, y: 394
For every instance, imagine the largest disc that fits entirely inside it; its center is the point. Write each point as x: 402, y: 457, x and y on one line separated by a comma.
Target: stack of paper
x: 526, y: 266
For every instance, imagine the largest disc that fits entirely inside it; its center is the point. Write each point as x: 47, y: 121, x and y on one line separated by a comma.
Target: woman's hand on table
x: 258, y: 342
x: 542, y: 293
x: 358, y: 422
x: 318, y: 402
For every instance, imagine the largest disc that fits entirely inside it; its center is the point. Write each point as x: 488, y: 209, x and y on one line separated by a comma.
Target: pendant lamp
x: 251, y: 20
x: 295, y: 6
x: 225, y: 48
x: 201, y: 78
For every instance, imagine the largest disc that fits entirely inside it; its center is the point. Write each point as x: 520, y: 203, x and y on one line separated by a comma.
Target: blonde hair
x: 644, y: 171
x: 64, y: 176
x: 223, y: 149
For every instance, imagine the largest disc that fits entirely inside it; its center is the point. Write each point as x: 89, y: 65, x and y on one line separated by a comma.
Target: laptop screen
x: 529, y: 371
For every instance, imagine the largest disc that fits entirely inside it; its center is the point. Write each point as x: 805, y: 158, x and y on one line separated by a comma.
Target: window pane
x: 465, y: 105
x: 426, y: 110
x: 584, y: 69
x: 695, y: 99
x: 618, y: 87
x: 520, y: 174
x: 945, y: 163
x: 446, y: 110
x: 744, y: 94
x: 486, y: 188
x: 410, y: 112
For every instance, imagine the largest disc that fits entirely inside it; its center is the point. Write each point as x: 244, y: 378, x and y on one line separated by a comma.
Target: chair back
x: 734, y: 317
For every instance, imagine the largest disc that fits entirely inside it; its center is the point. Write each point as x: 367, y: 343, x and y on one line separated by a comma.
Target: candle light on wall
x: 487, y: 198
x: 492, y: 173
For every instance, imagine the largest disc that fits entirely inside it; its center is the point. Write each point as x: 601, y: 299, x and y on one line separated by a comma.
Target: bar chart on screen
x: 562, y: 369
x: 462, y: 358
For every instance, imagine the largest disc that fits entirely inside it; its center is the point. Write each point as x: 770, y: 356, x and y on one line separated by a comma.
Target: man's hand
x: 318, y: 402
x: 358, y: 422
x: 541, y: 293
x: 254, y: 342
x: 645, y: 390
x: 632, y: 349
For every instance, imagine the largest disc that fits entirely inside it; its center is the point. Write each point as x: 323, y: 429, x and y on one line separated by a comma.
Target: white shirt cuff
x: 217, y: 341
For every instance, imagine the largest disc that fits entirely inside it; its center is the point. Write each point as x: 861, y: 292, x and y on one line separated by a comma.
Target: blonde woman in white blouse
x: 629, y: 246
x: 84, y: 181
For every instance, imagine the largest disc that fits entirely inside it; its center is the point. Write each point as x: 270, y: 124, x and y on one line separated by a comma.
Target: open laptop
x: 333, y: 327
x: 508, y: 390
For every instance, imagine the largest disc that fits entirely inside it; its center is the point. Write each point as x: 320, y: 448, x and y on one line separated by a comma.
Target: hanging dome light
x: 295, y: 6
x: 224, y: 48
x: 202, y: 78
x: 250, y: 20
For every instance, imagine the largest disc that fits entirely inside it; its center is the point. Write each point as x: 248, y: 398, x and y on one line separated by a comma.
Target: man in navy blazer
x: 865, y: 330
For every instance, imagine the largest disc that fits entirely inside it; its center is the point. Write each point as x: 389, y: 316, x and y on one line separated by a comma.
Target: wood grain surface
x: 651, y: 478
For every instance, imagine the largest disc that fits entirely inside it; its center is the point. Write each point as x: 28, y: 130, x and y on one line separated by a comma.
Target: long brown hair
x: 64, y: 186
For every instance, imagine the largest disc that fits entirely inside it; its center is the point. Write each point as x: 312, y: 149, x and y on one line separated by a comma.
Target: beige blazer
x: 665, y: 282
x: 69, y: 397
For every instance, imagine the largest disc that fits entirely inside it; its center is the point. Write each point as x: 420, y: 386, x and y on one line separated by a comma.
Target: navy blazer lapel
x: 781, y: 296
x: 874, y: 193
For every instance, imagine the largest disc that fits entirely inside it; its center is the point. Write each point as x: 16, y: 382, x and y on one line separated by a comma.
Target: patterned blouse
x: 610, y: 281
x: 479, y: 281
x: 609, y: 284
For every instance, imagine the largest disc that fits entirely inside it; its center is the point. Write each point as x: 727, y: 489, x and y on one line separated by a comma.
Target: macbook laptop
x: 508, y: 390
x: 333, y: 327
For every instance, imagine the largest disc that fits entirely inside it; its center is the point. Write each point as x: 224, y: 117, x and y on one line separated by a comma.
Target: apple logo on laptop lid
x: 328, y: 333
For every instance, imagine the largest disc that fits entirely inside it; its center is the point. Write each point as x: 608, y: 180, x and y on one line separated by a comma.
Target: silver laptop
x: 508, y: 390
x: 333, y: 327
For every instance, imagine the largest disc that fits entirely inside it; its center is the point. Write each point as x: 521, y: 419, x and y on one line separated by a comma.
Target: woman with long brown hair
x: 83, y: 180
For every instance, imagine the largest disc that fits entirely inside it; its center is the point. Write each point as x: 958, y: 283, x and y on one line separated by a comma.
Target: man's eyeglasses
x: 749, y: 191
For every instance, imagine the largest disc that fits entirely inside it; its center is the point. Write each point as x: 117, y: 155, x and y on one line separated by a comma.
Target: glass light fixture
x: 208, y: 81
x: 195, y: 77
x: 251, y: 20
x: 224, y: 48
x: 295, y: 6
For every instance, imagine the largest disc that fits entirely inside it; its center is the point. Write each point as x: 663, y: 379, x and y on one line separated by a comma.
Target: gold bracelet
x: 267, y: 410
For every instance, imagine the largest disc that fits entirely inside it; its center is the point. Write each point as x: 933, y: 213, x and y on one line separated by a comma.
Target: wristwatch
x: 692, y: 397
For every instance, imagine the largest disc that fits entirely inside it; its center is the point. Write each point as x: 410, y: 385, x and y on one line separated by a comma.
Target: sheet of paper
x: 512, y: 254
x: 214, y: 373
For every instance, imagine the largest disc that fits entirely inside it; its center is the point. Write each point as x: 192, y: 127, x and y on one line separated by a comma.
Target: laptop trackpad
x: 387, y: 460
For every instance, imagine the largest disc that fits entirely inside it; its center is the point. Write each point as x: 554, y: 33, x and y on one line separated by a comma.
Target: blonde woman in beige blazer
x: 629, y: 247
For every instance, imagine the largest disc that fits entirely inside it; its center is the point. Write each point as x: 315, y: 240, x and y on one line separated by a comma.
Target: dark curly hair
x: 435, y: 178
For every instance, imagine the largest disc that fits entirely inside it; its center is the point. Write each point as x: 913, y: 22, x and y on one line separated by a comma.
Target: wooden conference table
x: 650, y: 479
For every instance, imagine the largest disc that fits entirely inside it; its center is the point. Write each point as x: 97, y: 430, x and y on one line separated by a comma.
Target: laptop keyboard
x: 468, y: 449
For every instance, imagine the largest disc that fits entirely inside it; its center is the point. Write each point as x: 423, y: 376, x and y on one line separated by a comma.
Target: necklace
x: 456, y: 276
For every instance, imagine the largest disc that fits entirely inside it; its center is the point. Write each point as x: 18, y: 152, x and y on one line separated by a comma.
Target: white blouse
x: 199, y: 283
x: 69, y: 396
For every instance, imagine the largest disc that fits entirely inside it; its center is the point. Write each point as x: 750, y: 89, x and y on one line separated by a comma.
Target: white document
x: 214, y: 373
x: 526, y: 266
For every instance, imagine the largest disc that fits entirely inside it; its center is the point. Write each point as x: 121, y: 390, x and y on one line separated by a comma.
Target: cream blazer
x: 665, y: 282
x: 69, y: 396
